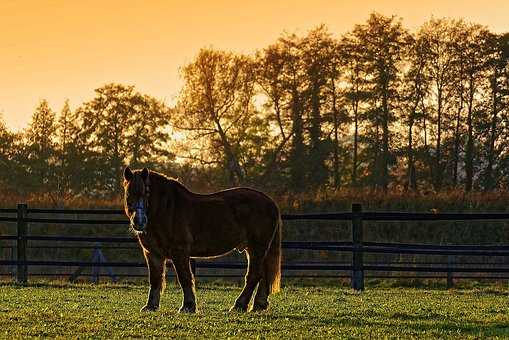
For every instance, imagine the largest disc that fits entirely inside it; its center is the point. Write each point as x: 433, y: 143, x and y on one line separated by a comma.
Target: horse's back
x: 231, y: 219
x: 249, y: 203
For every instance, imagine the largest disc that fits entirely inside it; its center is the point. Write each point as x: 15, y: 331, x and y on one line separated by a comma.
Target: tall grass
x: 313, y: 201
x: 447, y: 201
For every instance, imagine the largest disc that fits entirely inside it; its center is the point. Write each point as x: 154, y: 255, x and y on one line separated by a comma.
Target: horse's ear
x: 128, y: 174
x: 144, y: 174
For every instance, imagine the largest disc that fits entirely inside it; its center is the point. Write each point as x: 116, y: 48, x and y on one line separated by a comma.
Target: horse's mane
x: 162, y: 181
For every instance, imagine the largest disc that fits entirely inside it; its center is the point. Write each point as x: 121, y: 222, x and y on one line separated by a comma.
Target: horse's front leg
x: 186, y: 280
x: 155, y: 265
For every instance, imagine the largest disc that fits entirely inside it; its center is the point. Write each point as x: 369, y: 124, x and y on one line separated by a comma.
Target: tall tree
x: 122, y: 126
x: 148, y: 135
x: 354, y: 90
x: 337, y: 109
x: 497, y: 64
x: 39, y: 149
x: 75, y: 161
x: 6, y: 150
x: 106, y: 123
x: 384, y: 40
x: 294, y: 78
x: 282, y: 77
x: 438, y: 34
x: 475, y: 56
x: 215, y: 103
x: 270, y: 68
x: 66, y: 130
x: 458, y: 93
x: 416, y: 84
x: 318, y: 50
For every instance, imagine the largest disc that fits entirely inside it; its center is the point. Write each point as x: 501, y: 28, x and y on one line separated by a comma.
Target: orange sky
x: 64, y: 49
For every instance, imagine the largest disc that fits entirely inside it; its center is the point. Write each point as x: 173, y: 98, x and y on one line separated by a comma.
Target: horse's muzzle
x: 139, y: 222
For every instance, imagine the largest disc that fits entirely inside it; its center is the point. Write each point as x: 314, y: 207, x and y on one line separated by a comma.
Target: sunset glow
x: 65, y: 49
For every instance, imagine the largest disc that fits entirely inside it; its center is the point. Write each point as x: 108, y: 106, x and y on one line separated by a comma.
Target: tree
x: 383, y: 40
x: 475, y: 56
x: 215, y: 104
x: 497, y: 64
x: 354, y: 91
x: 338, y: 112
x: 148, y: 133
x: 294, y: 82
x: 318, y: 49
x: 121, y: 126
x: 438, y: 37
x: 39, y: 150
x: 74, y: 161
x: 6, y: 151
x: 416, y: 84
x: 269, y: 72
x: 458, y: 93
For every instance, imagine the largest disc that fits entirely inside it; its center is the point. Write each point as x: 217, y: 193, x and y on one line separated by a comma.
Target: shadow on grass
x: 414, y: 324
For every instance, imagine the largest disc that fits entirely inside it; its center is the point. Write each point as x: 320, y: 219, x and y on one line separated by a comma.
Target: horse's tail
x: 272, y: 262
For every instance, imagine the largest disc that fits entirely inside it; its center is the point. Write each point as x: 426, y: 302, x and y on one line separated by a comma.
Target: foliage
x: 215, y: 105
x: 378, y: 107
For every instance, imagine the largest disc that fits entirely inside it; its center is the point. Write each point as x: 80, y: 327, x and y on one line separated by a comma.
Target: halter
x: 141, y: 215
x: 141, y: 209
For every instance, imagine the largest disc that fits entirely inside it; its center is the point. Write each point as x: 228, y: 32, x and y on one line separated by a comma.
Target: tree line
x: 378, y: 107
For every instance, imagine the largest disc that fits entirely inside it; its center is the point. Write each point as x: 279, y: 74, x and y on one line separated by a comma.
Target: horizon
x: 140, y: 46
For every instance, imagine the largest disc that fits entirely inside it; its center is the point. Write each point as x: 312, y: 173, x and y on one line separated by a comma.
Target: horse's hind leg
x: 255, y: 257
x: 155, y: 265
x: 261, y: 300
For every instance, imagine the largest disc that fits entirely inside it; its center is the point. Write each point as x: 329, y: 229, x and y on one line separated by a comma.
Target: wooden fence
x: 23, y: 216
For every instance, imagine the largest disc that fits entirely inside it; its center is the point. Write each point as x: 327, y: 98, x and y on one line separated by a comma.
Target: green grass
x: 82, y: 310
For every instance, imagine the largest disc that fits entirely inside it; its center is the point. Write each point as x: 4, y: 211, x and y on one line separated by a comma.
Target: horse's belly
x: 215, y: 237
x: 210, y: 250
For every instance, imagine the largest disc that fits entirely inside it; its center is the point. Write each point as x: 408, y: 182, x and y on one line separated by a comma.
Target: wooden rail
x: 357, y: 246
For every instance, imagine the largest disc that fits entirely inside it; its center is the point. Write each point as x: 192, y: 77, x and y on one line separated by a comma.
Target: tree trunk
x: 469, y: 152
x: 318, y: 172
x: 236, y: 173
x: 489, y: 180
x: 456, y: 147
x: 385, y: 142
x: 438, y: 157
x: 297, y: 152
x: 412, y: 181
x: 376, y: 158
x: 337, y: 180
x: 355, y: 142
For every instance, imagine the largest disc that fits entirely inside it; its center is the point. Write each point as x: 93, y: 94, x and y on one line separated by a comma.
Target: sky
x: 59, y: 50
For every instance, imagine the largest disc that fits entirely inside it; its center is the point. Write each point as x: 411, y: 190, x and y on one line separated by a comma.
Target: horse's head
x: 136, y: 191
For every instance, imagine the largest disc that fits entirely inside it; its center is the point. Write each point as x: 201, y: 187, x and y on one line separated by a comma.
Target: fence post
x: 21, y: 245
x: 96, y: 258
x: 13, y: 267
x: 357, y: 279
x: 450, y: 263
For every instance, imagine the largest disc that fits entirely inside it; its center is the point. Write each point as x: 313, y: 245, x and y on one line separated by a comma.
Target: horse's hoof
x: 148, y: 308
x: 260, y: 307
x: 188, y: 308
x: 238, y: 309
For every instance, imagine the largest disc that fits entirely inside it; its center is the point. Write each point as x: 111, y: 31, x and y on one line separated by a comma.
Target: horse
x: 174, y: 224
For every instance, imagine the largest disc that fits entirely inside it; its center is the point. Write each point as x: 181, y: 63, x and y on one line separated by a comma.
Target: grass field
x: 82, y: 310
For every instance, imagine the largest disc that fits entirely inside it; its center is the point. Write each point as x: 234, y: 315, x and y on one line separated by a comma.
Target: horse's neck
x: 167, y: 186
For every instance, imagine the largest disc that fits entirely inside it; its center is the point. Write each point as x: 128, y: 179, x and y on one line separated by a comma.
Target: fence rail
x: 357, y: 246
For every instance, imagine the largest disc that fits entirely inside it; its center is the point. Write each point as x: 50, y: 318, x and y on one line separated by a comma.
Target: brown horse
x: 173, y: 223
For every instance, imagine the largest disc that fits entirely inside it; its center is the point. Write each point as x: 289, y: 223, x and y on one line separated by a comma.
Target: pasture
x: 112, y: 310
